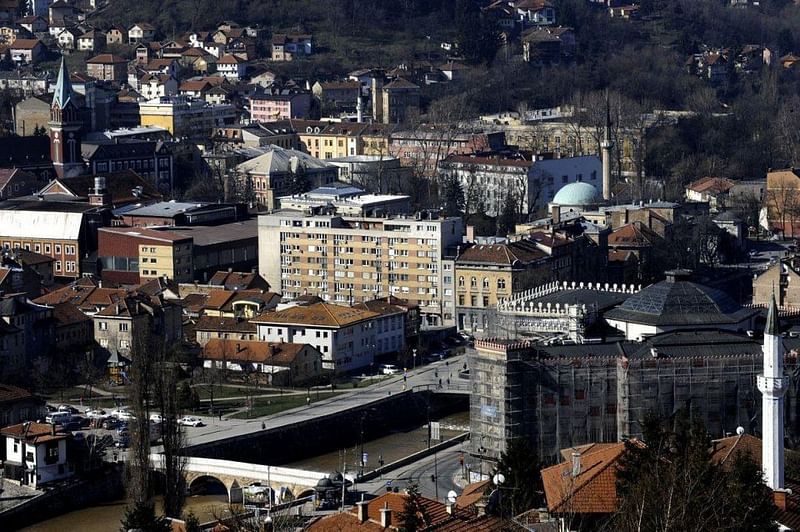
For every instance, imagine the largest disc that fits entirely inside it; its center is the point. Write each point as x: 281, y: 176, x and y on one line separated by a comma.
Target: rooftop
x: 317, y: 315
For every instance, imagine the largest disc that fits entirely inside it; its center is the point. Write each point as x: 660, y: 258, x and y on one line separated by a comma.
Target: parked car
x: 156, y: 418
x: 389, y: 369
x: 109, y: 423
x: 123, y: 441
x: 118, y: 411
x: 69, y: 409
x: 95, y: 413
x: 122, y: 428
x: 58, y: 418
x: 125, y: 416
x: 190, y: 421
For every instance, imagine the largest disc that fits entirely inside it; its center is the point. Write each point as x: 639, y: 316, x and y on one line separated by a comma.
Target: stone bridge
x: 286, y: 484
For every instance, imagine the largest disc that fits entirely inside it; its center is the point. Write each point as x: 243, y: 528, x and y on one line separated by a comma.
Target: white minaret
x: 772, y: 384
x: 606, y: 146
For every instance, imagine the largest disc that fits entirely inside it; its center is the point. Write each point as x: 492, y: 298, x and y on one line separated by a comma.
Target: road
x: 444, y: 466
x: 428, y: 375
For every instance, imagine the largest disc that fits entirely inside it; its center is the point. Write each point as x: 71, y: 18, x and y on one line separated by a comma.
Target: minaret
x: 65, y: 128
x: 772, y: 384
x: 606, y: 146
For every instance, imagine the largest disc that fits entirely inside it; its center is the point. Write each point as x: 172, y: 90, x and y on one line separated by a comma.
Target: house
x: 208, y: 327
x: 18, y: 405
x: 548, y: 45
x: 385, y: 513
x: 398, y: 322
x: 91, y: 41
x: 711, y: 190
x: 157, y: 86
x: 141, y: 32
x: 108, y: 67
x: 116, y: 35
x: 27, y: 51
x: 17, y: 278
x: 34, y: 320
x: 287, y: 47
x: 33, y: 23
x: 343, y: 93
x: 624, y: 12
x: 194, y: 88
x: 36, y: 454
x: 232, y: 67
x: 235, y: 303
x: 73, y: 328
x: 283, y: 364
x: 67, y: 39
x: 231, y: 280
x: 143, y: 54
x: 168, y: 66
x: 535, y: 12
x: 198, y: 60
x: 12, y: 349
x: 345, y: 336
x: 41, y: 264
x: 396, y: 101
x: 15, y: 182
x: 129, y: 325
x: 783, y: 187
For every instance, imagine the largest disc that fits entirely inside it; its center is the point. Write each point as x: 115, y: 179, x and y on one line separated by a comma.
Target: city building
x: 269, y: 176
x: 27, y: 51
x: 356, y: 259
x: 131, y: 256
x: 239, y: 303
x: 422, y: 148
x: 152, y: 160
x: 266, y: 107
x: 347, y: 200
x: 15, y: 183
x: 172, y: 213
x: 65, y: 127
x: 36, y: 454
x: 488, y: 273
x: 208, y: 327
x: 232, y: 67
x: 183, y: 117
x: 381, y: 174
x: 396, y: 102
x: 35, y: 322
x: 345, y: 336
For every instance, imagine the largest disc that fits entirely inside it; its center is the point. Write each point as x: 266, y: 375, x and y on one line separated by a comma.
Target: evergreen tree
x: 142, y: 516
x: 452, y: 196
x: 299, y: 183
x: 522, y: 488
x: 671, y: 483
x: 507, y: 219
x: 413, y: 517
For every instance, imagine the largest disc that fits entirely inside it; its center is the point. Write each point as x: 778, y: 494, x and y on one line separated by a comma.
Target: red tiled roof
x: 275, y: 354
x: 105, y: 59
x: 35, y: 433
x: 67, y: 314
x: 10, y: 393
x: 318, y: 314
x: 633, y: 234
x: 522, y: 251
x: 712, y: 185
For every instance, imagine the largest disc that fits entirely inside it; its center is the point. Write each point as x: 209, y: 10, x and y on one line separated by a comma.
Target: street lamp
x: 414, y: 355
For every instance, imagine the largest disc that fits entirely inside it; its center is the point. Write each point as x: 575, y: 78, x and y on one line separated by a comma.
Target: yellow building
x: 487, y: 273
x: 356, y: 259
x: 184, y: 117
x: 133, y: 255
x: 782, y: 199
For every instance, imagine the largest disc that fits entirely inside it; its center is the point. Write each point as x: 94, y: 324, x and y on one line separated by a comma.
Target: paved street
x: 428, y: 375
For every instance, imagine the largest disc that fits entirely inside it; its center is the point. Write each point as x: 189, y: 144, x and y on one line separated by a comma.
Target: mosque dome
x: 577, y: 194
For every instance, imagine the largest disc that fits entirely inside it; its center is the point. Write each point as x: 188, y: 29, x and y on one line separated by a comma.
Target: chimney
x: 52, y: 429
x: 362, y: 507
x: 779, y: 498
x: 359, y: 110
x: 470, y: 233
x: 480, y: 506
x: 449, y: 508
x: 576, y: 464
x: 386, y: 516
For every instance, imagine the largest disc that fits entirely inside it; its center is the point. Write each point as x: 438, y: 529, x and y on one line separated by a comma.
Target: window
x: 58, y: 249
x: 485, y: 282
x: 461, y: 300
x: 473, y: 283
x: 485, y: 301
x: 473, y: 300
x: 461, y: 281
x: 123, y: 326
x: 124, y: 344
x: 501, y: 284
x: 58, y: 266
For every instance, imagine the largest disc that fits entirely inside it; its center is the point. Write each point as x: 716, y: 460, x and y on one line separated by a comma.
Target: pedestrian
x: 263, y: 426
x: 448, y: 381
x: 308, y: 400
x: 436, y: 373
x: 405, y: 379
x: 220, y: 415
x: 440, y: 383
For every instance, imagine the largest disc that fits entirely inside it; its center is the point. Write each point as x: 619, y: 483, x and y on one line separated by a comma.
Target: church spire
x: 63, y: 92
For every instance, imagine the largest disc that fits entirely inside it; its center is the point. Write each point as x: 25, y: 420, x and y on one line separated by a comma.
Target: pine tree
x: 413, y: 517
x: 452, y: 196
x: 522, y: 487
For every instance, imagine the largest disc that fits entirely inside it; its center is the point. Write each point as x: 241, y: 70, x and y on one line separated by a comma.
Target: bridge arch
x: 207, y: 485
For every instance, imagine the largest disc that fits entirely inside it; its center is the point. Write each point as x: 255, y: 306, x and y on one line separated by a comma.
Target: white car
x: 190, y: 421
x: 390, y: 369
x: 156, y: 418
x: 93, y: 414
x: 119, y: 412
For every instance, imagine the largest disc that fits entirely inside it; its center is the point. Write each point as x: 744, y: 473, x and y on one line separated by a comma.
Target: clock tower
x: 65, y: 128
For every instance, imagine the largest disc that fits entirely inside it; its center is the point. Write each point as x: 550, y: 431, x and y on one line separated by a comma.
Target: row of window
x: 103, y: 326
x: 473, y: 283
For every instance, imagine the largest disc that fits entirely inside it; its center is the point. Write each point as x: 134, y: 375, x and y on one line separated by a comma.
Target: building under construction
x: 562, y: 396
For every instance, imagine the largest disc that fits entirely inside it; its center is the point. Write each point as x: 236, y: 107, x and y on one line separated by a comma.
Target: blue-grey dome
x: 577, y: 194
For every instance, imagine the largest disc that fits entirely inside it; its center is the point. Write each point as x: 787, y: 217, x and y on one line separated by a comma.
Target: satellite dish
x: 740, y: 430
x: 451, y: 496
x: 498, y: 479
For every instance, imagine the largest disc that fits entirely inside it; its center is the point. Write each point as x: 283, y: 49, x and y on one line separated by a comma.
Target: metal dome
x: 577, y: 194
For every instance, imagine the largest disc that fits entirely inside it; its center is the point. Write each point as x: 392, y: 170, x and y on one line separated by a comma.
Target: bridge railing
x: 212, y: 466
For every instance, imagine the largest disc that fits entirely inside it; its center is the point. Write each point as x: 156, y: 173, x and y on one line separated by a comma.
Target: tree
x: 142, y: 516
x: 522, y: 488
x: 452, y: 195
x: 299, y: 183
x: 671, y: 484
x: 507, y: 219
x: 413, y: 517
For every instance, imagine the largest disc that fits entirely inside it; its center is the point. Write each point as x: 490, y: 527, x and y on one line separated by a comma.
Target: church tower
x: 65, y: 128
x: 773, y: 385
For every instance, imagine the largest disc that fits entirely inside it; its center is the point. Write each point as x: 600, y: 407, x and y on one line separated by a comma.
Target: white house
x: 345, y: 336
x: 141, y: 32
x: 232, y: 67
x: 36, y: 453
x: 150, y: 86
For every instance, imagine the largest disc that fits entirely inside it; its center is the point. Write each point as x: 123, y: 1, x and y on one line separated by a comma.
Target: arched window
x: 486, y: 282
x: 461, y: 281
x: 473, y: 282
x: 501, y: 284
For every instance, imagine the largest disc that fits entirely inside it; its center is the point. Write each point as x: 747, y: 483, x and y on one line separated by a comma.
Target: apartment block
x: 356, y: 259
x: 134, y: 255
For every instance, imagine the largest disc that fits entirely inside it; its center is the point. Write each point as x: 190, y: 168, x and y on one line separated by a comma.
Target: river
x: 106, y: 517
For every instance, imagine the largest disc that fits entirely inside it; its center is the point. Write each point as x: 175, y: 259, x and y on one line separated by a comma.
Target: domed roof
x: 577, y: 194
x: 678, y: 301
